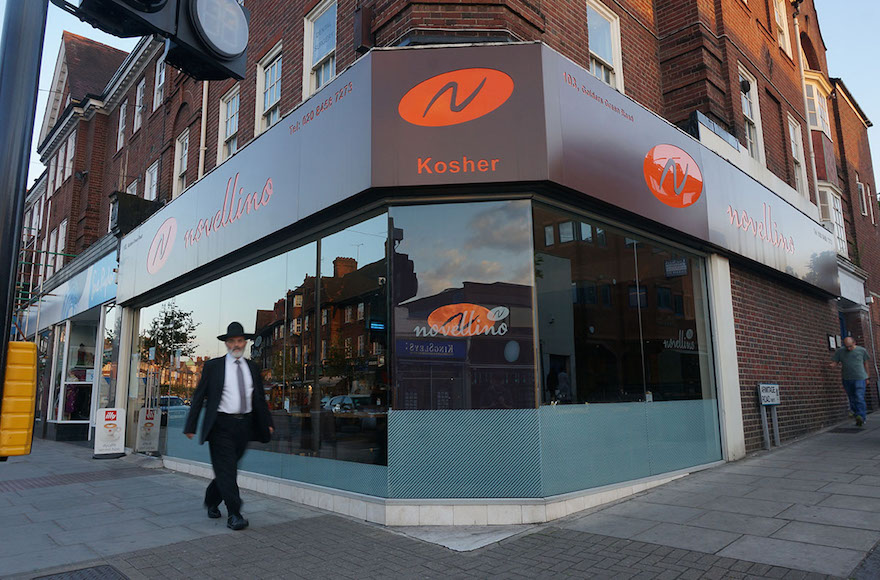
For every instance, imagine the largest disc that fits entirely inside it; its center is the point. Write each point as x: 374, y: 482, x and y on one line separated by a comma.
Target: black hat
x: 234, y: 329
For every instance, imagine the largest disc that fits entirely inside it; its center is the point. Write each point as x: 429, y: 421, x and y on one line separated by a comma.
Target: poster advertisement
x: 110, y: 431
x: 148, y: 430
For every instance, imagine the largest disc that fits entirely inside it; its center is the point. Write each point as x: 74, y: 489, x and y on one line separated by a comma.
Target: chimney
x: 344, y: 266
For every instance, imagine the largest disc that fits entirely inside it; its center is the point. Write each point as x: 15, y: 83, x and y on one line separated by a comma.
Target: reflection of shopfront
x: 474, y: 339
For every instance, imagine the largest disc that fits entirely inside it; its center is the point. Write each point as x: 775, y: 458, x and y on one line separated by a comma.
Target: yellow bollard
x: 19, y: 393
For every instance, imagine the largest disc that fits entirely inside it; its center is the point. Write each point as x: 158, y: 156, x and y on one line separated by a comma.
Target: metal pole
x: 764, y: 427
x: 21, y: 49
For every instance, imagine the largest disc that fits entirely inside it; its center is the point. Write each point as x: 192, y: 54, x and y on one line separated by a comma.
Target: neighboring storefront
x: 473, y: 272
x: 78, y: 324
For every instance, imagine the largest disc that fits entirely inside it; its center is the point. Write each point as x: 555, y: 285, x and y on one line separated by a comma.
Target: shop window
x: 781, y: 18
x: 748, y: 92
x: 139, y: 105
x: 464, y: 335
x: 151, y: 181
x: 268, y: 90
x: 604, y: 37
x: 159, y: 83
x: 319, y: 49
x: 120, y: 130
x: 629, y: 349
x: 796, y: 141
x: 57, y: 373
x: 181, y: 160
x: 817, y: 108
x: 229, y: 106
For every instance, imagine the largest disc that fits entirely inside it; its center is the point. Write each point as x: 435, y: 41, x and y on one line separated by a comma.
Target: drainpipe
x: 796, y: 4
x: 203, y: 146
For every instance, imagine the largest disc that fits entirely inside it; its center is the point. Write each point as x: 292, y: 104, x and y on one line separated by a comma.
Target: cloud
x: 500, y: 227
x: 453, y: 268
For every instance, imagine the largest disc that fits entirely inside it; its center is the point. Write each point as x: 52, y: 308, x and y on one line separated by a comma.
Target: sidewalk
x: 807, y: 510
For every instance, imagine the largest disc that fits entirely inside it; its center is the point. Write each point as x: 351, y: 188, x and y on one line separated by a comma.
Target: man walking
x: 231, y: 390
x: 854, y: 361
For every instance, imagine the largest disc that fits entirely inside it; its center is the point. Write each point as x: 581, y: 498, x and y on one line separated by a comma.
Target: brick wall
x: 782, y: 337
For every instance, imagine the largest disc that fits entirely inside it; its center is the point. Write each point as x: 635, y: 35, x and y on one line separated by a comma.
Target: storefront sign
x: 96, y: 285
x: 684, y: 341
x: 471, y: 115
x: 465, y: 320
x: 148, y: 430
x: 109, y: 431
x: 447, y: 349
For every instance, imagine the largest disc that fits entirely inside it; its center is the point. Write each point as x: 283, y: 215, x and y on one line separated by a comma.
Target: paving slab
x: 738, y: 523
x: 809, y: 557
x: 833, y: 516
x: 852, y: 502
x: 788, y: 495
x: 461, y: 538
x: 850, y: 489
x: 825, y: 535
x: 610, y: 525
x: 652, y: 511
x: 678, y: 497
x: 749, y: 506
x: 688, y: 537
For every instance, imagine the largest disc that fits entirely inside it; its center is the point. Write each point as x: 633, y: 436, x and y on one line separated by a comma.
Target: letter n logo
x: 455, y: 97
x: 673, y: 176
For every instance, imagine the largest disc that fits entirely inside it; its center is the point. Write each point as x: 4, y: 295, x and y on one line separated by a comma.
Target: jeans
x: 855, y: 391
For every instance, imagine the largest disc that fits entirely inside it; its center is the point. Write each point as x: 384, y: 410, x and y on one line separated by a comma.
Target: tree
x: 170, y: 331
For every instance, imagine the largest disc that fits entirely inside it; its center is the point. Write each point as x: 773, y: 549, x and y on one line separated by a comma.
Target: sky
x: 847, y: 33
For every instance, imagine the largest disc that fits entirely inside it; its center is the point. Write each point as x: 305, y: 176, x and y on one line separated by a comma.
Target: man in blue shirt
x: 854, y: 362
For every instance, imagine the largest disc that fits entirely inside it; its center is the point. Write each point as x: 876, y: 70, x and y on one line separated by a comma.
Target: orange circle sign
x: 673, y: 176
x: 455, y: 97
x: 460, y: 319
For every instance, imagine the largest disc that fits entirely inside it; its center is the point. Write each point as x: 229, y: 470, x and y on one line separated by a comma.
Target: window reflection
x: 463, y: 306
x: 621, y: 319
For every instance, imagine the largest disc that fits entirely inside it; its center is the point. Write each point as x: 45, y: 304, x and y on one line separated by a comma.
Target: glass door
x: 75, y: 404
x: 59, y: 352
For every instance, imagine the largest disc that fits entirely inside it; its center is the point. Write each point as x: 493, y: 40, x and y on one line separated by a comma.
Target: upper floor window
x: 132, y: 188
x: 319, y: 49
x: 866, y: 204
x: 268, y: 90
x: 782, y: 25
x: 139, y: 104
x: 360, y: 314
x: 831, y: 213
x: 50, y: 258
x: 181, y: 156
x: 61, y: 248
x: 71, y: 151
x: 151, y: 181
x: 229, y: 106
x: 120, y: 131
x: 817, y: 109
x: 603, y: 27
x: 799, y: 171
x: 751, y: 115
x: 51, y: 175
x: 159, y: 86
x: 59, y: 166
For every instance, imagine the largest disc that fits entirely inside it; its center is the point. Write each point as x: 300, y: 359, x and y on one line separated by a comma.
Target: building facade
x: 630, y: 216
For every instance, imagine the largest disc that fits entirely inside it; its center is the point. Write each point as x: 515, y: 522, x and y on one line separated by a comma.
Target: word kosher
x: 765, y: 230
x: 225, y: 216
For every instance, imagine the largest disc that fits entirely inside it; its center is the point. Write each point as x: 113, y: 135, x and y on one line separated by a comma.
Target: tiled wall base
x: 434, y: 512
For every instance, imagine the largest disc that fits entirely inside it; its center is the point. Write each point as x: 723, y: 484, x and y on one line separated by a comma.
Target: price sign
x: 769, y: 394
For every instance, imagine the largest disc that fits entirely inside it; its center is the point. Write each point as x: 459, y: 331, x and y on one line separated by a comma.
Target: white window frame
x: 297, y: 300
x: 349, y: 313
x: 120, y: 130
x: 139, y: 105
x: 616, y: 66
x: 819, y: 102
x: 59, y: 166
x: 796, y: 139
x: 71, y: 152
x: 781, y: 24
x: 755, y: 118
x: 871, y: 202
x: 110, y: 217
x: 159, y: 83
x: 132, y: 188
x: 181, y: 162
x: 863, y: 201
x: 831, y: 214
x: 61, y: 244
x: 151, y: 181
x: 223, y: 137
x: 309, y: 70
x: 260, y: 121
x: 360, y: 311
x: 50, y: 261
x: 52, y: 161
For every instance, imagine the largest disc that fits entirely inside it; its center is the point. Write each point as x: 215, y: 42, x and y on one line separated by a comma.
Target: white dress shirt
x: 230, y: 401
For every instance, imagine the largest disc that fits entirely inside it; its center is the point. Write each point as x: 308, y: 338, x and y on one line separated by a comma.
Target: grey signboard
x: 472, y: 115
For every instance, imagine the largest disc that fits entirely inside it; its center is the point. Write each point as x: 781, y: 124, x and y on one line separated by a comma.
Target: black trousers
x: 227, y: 443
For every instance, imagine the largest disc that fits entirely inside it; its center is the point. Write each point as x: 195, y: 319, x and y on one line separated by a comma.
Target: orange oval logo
x: 460, y: 319
x: 455, y: 97
x: 673, y: 176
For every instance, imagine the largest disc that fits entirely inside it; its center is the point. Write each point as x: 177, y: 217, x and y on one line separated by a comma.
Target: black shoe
x: 236, y: 522
x: 214, y: 512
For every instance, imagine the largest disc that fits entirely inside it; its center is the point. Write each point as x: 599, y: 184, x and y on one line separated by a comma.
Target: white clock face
x: 222, y: 26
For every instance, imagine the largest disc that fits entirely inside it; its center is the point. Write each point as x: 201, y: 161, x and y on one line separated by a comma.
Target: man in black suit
x: 231, y: 390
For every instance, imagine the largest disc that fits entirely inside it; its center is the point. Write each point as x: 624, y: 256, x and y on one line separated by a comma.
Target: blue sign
x: 439, y: 349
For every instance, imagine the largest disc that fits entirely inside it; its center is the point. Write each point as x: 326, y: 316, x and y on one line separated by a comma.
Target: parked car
x: 174, y: 407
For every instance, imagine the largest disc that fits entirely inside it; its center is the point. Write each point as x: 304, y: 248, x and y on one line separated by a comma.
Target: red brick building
x: 748, y: 79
